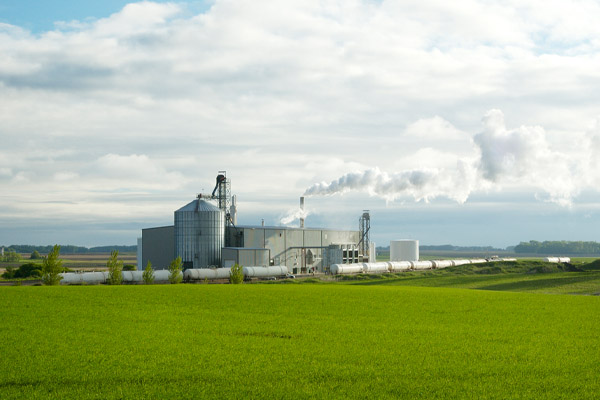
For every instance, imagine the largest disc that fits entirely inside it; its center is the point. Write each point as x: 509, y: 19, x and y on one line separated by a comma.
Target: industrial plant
x: 205, y: 234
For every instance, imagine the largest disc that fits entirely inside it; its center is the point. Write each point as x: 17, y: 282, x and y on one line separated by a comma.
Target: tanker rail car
x: 188, y: 275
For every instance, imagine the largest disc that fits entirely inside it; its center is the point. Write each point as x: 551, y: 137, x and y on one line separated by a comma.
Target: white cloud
x: 521, y: 157
x: 154, y: 100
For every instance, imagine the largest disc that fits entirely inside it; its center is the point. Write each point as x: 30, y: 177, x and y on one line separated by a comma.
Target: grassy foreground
x: 296, y: 341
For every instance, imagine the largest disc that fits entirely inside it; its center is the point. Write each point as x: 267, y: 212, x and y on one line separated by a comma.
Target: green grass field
x: 296, y: 341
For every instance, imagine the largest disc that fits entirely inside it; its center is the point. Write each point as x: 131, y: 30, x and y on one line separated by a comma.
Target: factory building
x: 205, y: 235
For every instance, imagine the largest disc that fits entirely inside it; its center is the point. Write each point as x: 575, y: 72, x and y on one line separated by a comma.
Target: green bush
x: 11, y: 256
x: 52, y: 267
x: 28, y: 270
x: 35, y: 255
x: 36, y: 273
x: 148, y: 275
x: 175, y: 271
x: 9, y: 273
x: 129, y: 267
x: 115, y: 268
x: 236, y: 275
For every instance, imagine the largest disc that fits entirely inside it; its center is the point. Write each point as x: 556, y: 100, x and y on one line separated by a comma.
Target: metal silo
x: 199, y: 234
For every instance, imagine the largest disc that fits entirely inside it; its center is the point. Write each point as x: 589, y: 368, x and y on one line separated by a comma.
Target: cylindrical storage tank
x: 339, y: 269
x: 564, y: 260
x: 398, y: 266
x: 199, y: 234
x: 70, y: 278
x: 478, y: 261
x: 206, y: 273
x: 375, y: 268
x: 439, y: 264
x: 95, y: 277
x: 551, y: 259
x: 461, y: 262
x: 162, y: 275
x: 133, y: 276
x: 404, y: 250
x: 264, y: 272
x: 422, y: 264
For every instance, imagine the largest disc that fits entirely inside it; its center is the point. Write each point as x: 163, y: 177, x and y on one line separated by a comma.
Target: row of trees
x: 10, y: 256
x: 558, y: 247
x: 69, y: 249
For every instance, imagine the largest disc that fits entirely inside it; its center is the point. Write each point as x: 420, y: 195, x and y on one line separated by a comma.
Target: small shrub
x: 35, y: 255
x: 28, y: 270
x: 148, y: 275
x: 36, y: 273
x: 129, y: 267
x: 175, y: 271
x: 9, y: 273
x: 115, y: 268
x: 236, y: 276
x: 52, y: 267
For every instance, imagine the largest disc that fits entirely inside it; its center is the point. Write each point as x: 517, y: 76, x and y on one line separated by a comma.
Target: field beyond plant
x: 296, y: 341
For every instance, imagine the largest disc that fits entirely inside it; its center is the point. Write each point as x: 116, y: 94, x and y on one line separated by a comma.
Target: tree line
x: 558, y: 247
x: 69, y: 249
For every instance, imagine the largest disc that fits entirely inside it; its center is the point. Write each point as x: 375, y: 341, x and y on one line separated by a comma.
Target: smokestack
x: 302, y: 212
x: 233, y: 209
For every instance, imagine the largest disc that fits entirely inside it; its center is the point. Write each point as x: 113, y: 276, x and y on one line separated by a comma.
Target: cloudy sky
x: 470, y: 123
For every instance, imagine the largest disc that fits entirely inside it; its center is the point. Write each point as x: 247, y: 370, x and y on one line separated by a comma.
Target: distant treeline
x: 68, y: 249
x: 558, y: 247
x: 449, y: 247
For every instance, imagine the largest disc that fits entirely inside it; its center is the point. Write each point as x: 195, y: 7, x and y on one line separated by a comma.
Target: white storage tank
x: 399, y: 266
x: 461, y: 262
x: 339, y: 269
x: 73, y: 278
x: 132, y: 276
x: 375, y: 268
x: 422, y: 265
x: 206, y: 273
x: 404, y: 250
x: 478, y: 261
x: 162, y: 275
x: 439, y: 264
x: 264, y: 272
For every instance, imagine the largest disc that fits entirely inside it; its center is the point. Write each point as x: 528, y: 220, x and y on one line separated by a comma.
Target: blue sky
x: 39, y: 15
x: 471, y: 123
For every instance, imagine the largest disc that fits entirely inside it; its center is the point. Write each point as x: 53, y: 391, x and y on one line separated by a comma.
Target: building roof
x: 199, y: 205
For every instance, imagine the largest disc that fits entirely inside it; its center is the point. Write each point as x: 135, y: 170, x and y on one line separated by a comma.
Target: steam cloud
x: 521, y: 156
x: 293, y: 215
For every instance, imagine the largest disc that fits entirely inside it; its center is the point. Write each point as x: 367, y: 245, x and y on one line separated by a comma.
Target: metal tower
x: 364, y: 227
x: 222, y: 193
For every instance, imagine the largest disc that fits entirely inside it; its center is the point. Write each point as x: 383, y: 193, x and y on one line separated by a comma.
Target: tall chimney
x: 233, y: 209
x: 302, y: 212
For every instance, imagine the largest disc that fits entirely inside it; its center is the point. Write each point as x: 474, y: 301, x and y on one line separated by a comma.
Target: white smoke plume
x: 419, y: 184
x: 519, y: 157
x: 293, y: 215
